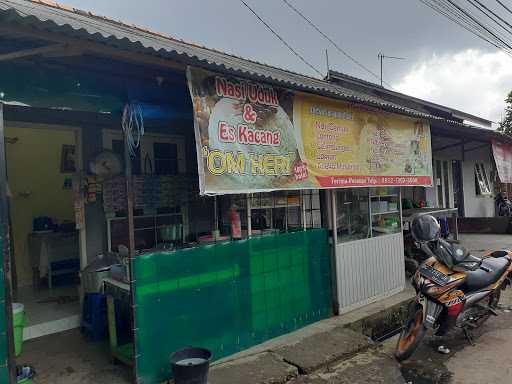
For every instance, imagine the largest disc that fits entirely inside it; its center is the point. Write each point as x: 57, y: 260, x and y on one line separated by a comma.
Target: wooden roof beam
x: 97, y: 48
x: 33, y: 52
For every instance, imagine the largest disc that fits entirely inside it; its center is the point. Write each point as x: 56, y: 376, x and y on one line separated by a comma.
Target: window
x: 272, y: 212
x: 482, y: 185
x: 166, y: 158
x: 352, y: 214
x: 118, y: 148
x: 367, y: 212
x: 276, y: 212
x: 158, y: 153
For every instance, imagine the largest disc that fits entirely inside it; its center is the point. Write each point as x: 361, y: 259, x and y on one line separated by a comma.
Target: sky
x: 443, y: 62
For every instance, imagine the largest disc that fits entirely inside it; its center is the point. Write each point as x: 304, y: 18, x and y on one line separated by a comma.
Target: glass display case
x: 353, y: 215
x: 363, y: 213
x: 275, y: 212
x: 385, y: 211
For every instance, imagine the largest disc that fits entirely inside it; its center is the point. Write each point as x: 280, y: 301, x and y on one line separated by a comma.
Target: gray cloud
x: 364, y: 28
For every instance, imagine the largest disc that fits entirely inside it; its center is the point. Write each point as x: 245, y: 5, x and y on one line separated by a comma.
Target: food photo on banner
x: 346, y: 146
x: 245, y: 137
x: 252, y: 137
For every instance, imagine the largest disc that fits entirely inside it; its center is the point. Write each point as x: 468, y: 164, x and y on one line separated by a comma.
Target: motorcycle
x: 454, y: 289
x: 503, y: 205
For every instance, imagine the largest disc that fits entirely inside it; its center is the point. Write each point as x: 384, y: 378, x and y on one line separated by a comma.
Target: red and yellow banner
x: 252, y: 137
x: 344, y: 146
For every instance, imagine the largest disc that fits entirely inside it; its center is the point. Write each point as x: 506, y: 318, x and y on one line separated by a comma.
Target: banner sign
x: 503, y: 158
x: 245, y: 138
x: 252, y: 137
x: 348, y: 147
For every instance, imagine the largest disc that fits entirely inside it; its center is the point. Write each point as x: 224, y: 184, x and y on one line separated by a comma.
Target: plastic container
x: 24, y: 374
x: 191, y: 365
x: 93, y: 275
x: 18, y: 321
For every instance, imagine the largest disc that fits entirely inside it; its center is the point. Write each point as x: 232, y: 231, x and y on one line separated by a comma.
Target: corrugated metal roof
x: 53, y: 17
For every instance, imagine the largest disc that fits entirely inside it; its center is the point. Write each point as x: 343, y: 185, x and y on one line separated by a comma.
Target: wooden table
x: 409, y: 214
x: 114, y: 289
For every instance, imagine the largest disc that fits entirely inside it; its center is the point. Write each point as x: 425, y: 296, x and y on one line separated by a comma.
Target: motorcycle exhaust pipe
x: 475, y: 297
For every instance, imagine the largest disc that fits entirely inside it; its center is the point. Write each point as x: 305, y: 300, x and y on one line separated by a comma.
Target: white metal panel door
x: 367, y: 270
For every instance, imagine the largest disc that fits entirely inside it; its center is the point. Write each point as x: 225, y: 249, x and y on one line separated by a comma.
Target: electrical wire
x: 446, y: 13
x: 504, y: 6
x: 133, y: 127
x: 324, y: 35
x: 478, y: 22
x: 472, y: 23
x: 490, y: 11
x: 281, y: 39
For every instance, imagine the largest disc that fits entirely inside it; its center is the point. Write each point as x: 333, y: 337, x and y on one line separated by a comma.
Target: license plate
x: 434, y: 275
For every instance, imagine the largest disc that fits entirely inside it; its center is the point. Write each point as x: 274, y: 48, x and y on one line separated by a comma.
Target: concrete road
x: 489, y: 361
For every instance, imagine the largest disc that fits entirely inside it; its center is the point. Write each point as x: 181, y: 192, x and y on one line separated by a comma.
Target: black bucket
x: 190, y: 365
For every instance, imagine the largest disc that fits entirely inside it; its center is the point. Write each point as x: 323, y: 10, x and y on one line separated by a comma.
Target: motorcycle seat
x: 489, y: 272
x: 501, y: 253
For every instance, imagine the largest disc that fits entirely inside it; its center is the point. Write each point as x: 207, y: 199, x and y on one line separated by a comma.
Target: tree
x: 506, y: 124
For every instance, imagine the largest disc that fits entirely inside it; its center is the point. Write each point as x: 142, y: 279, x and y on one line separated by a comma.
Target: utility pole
x: 381, y: 57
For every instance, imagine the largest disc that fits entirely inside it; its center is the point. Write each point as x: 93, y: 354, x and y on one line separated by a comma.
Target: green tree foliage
x: 506, y: 123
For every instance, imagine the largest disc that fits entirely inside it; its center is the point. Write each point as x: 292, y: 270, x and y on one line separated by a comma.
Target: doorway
x: 41, y: 161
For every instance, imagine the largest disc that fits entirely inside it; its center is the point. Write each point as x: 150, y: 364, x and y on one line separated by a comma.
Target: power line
x: 485, y: 29
x: 467, y: 21
x: 281, y: 39
x: 472, y: 2
x: 504, y: 6
x: 470, y: 22
x: 478, y: 22
x: 301, y: 14
x: 439, y: 8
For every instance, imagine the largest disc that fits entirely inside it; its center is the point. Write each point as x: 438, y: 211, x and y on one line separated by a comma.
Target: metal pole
x: 331, y: 214
x: 4, y: 231
x: 129, y: 198
x: 131, y: 245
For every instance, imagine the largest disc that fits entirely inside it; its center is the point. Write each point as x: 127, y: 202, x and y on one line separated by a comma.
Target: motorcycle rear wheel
x: 412, y: 333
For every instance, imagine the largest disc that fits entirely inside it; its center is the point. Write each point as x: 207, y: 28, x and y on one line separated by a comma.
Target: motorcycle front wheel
x: 412, y: 333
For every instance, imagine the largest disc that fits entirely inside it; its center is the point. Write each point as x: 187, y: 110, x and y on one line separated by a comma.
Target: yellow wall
x: 33, y: 166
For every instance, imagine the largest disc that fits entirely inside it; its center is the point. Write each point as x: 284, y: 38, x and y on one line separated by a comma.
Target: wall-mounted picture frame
x: 68, y: 159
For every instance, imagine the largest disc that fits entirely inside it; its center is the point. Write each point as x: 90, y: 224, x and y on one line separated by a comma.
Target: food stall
x: 365, y: 157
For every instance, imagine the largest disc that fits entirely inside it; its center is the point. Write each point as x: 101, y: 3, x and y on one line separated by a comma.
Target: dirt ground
x: 68, y: 358
x: 489, y: 361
